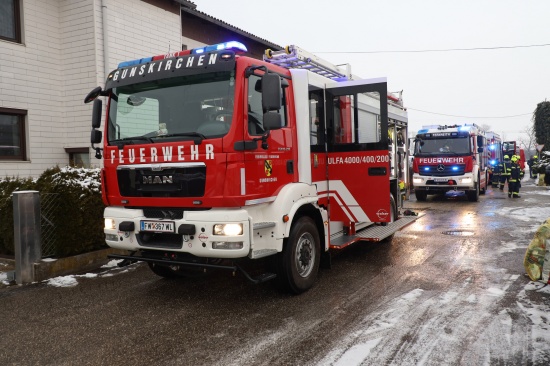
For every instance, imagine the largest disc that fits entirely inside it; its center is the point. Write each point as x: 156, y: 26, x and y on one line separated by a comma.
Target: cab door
x: 357, y: 156
x: 270, y: 164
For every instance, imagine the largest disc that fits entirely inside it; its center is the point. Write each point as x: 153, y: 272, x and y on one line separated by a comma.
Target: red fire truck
x: 450, y: 158
x: 494, y: 155
x: 212, y: 158
x: 512, y: 148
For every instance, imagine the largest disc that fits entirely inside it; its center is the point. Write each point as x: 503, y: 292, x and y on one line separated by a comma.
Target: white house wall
x: 61, y: 59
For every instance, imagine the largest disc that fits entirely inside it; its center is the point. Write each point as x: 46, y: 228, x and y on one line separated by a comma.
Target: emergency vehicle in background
x: 212, y: 158
x: 512, y: 148
x: 494, y: 154
x: 450, y: 158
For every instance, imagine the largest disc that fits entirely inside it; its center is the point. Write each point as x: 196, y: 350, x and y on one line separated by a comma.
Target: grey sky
x: 481, y: 83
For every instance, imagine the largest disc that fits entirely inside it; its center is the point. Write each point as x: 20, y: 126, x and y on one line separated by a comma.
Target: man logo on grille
x: 440, y: 167
x: 268, y: 167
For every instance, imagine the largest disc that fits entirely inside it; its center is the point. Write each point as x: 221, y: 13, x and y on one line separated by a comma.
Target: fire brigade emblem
x: 268, y: 167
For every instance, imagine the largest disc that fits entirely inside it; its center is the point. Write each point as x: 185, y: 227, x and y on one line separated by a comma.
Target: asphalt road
x: 449, y: 289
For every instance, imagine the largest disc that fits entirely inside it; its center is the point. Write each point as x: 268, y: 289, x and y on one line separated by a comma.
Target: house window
x: 12, y: 134
x: 10, y: 20
x: 79, y: 156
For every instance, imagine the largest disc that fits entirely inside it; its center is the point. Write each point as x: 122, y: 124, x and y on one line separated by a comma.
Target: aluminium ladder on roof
x: 293, y: 57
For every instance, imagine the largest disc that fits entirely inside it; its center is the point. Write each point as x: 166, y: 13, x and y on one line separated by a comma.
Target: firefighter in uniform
x: 497, y: 169
x: 515, y: 177
x: 533, y: 160
x: 505, y: 171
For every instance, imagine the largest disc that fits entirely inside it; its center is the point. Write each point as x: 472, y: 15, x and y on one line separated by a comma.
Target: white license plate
x: 441, y: 180
x: 158, y: 226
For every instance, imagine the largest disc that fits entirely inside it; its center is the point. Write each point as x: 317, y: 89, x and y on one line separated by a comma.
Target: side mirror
x: 272, y: 121
x: 96, y: 92
x: 96, y: 113
x: 271, y: 92
x: 480, y: 142
x: 96, y: 136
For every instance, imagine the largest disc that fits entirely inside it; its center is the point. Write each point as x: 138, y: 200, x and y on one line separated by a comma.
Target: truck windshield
x: 182, y: 108
x: 452, y: 146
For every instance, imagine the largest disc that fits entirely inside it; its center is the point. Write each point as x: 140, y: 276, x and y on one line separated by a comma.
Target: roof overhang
x: 225, y: 25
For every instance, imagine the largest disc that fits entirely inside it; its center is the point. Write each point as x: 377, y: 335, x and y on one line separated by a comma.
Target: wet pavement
x: 449, y: 289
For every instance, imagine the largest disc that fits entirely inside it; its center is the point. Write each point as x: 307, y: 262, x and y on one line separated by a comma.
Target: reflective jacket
x: 515, y: 172
x: 506, y: 166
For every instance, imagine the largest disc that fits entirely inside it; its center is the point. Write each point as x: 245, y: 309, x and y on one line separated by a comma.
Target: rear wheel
x: 420, y: 195
x: 484, y: 189
x: 298, y: 263
x: 393, y: 216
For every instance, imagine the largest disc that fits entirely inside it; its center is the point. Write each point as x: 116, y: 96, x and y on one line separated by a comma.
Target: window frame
x: 21, y: 116
x: 284, y: 104
x: 16, y: 22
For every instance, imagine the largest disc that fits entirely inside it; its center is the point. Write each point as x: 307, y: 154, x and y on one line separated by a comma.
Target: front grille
x: 442, y: 170
x: 173, y: 182
x: 165, y: 213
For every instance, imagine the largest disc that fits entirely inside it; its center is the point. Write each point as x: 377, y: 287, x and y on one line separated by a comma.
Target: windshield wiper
x: 190, y: 134
x: 128, y: 139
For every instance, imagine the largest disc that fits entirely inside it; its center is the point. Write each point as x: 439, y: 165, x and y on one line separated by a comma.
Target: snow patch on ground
x: 112, y: 263
x: 62, y: 281
x: 111, y: 269
x: 539, y: 315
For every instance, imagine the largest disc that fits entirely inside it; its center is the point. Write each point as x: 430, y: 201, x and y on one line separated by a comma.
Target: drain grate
x: 459, y: 232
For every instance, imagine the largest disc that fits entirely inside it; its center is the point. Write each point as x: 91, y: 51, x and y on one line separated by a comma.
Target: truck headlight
x: 466, y: 180
x: 417, y: 180
x: 228, y: 229
x: 110, y: 224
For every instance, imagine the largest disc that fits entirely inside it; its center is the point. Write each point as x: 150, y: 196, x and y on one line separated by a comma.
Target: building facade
x: 53, y: 52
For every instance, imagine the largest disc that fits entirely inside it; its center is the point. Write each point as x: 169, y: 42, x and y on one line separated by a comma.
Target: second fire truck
x: 450, y: 158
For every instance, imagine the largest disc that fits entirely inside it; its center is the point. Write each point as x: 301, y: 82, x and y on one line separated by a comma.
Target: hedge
x: 77, y: 216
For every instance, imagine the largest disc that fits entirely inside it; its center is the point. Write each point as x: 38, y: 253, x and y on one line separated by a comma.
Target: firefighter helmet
x: 514, y: 158
x: 506, y: 157
x: 535, y: 157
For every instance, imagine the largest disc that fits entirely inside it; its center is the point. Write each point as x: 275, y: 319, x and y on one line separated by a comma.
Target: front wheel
x: 298, y: 263
x: 473, y: 195
x: 420, y: 195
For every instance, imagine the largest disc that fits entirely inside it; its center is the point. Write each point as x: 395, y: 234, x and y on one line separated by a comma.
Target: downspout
x: 105, y: 33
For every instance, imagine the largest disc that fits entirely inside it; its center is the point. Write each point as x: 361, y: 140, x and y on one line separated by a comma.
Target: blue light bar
x: 491, y: 147
x: 464, y: 128
x: 231, y: 45
x: 135, y: 62
x: 427, y: 168
x: 455, y: 168
x: 423, y: 131
x: 493, y: 162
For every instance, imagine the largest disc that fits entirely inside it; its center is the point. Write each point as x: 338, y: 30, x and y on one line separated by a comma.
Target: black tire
x: 420, y: 195
x: 473, y: 195
x: 393, y: 211
x: 484, y: 190
x: 298, y: 263
x: 393, y: 217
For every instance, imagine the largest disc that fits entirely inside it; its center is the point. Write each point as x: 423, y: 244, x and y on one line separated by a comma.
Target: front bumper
x: 443, y: 184
x: 193, y: 232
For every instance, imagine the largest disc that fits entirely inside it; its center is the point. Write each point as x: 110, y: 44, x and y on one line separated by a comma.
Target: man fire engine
x: 450, y: 158
x: 212, y: 158
x: 494, y: 156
